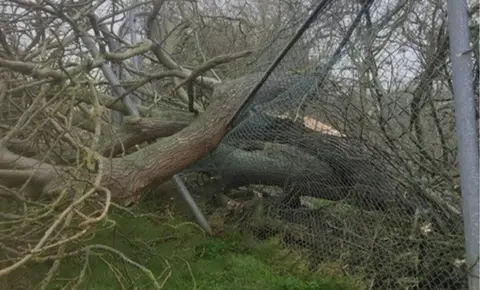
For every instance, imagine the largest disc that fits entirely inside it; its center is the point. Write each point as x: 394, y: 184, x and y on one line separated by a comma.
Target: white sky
x: 404, y: 58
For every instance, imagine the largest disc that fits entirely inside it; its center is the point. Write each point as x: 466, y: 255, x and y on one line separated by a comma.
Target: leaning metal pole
x: 177, y: 180
x: 467, y: 132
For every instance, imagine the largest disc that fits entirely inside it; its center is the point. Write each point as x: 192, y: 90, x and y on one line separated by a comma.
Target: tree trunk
x: 130, y: 176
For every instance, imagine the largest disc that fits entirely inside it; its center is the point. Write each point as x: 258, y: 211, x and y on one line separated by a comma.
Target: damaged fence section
x: 349, y: 148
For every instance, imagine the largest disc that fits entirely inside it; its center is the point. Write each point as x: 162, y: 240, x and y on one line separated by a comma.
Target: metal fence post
x: 467, y: 132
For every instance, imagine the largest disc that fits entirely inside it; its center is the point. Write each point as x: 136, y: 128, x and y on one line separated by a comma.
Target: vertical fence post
x: 132, y: 31
x: 467, y: 132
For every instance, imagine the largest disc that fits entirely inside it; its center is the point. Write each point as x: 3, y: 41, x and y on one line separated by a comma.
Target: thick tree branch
x: 141, y: 171
x: 197, y: 72
x: 138, y: 130
x: 111, y: 103
x: 138, y: 49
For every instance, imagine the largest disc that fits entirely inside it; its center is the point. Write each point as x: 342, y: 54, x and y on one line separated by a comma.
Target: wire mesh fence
x: 348, y: 149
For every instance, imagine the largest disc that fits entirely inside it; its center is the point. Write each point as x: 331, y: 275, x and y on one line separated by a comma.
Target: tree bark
x: 130, y: 176
x: 138, y: 130
x: 299, y: 173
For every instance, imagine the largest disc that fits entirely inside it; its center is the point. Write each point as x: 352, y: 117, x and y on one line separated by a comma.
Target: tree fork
x: 130, y: 176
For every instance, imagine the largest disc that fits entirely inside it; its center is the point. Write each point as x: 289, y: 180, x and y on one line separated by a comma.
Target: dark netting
x: 344, y: 154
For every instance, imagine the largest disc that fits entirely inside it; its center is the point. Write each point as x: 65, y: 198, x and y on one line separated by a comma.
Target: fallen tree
x: 182, y: 141
x: 136, y: 173
x: 60, y: 147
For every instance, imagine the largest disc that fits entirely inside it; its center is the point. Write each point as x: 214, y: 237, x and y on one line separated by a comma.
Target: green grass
x: 181, y: 257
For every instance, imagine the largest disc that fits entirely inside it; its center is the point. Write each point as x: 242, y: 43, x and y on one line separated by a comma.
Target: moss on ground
x: 181, y: 256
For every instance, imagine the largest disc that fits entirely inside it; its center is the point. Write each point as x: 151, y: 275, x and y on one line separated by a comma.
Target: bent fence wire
x: 348, y: 149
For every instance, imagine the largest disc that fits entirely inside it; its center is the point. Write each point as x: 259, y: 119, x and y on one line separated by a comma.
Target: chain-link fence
x: 348, y: 148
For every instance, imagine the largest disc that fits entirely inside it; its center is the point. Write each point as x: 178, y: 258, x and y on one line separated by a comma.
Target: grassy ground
x: 180, y: 256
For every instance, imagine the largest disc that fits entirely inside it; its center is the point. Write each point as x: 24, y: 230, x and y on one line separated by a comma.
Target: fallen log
x: 299, y: 173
